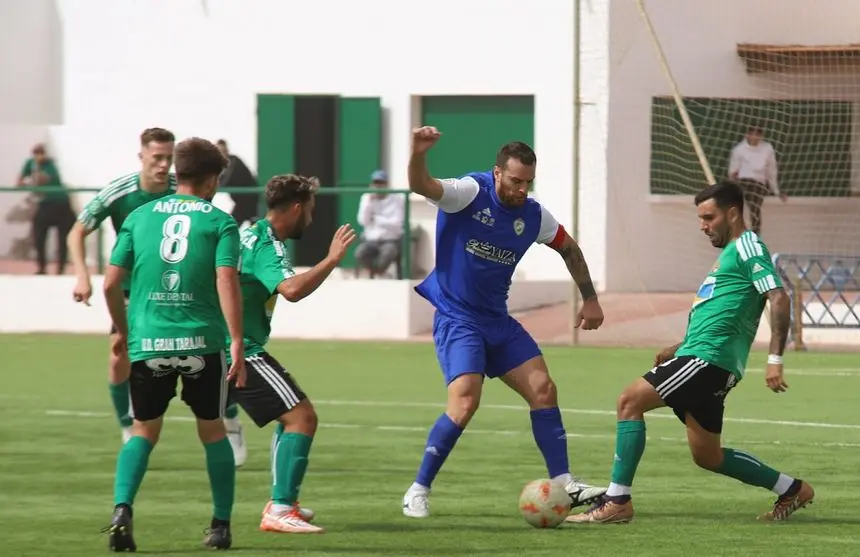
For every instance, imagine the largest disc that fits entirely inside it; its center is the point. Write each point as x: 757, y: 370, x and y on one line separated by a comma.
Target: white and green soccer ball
x: 544, y: 503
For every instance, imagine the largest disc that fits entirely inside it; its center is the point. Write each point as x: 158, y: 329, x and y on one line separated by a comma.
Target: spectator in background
x: 381, y: 214
x: 237, y: 175
x: 54, y: 210
x: 753, y: 166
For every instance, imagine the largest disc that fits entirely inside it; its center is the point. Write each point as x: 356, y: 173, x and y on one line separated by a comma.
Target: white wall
x: 123, y: 77
x: 655, y: 245
x: 30, y: 95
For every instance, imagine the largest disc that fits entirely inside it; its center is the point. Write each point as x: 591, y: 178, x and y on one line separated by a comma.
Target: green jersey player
x: 271, y: 394
x: 181, y: 296
x: 694, y: 376
x: 115, y: 202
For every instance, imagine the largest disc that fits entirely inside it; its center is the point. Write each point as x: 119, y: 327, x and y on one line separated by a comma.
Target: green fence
x: 406, y: 239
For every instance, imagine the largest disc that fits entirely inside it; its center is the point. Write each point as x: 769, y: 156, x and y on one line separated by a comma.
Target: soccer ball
x: 544, y: 503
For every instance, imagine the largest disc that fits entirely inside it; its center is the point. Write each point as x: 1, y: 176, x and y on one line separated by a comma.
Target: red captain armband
x: 558, y: 240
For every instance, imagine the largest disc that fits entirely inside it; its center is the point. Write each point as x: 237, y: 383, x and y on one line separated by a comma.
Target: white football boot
x: 582, y: 493
x: 416, y: 501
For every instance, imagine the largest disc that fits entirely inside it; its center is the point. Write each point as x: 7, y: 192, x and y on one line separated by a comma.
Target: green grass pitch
x: 58, y: 444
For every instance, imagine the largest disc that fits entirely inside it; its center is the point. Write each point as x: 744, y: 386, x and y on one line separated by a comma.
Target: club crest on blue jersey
x: 519, y: 226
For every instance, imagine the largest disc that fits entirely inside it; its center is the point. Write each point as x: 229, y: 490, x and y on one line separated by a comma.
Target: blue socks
x: 551, y: 439
x: 443, y: 436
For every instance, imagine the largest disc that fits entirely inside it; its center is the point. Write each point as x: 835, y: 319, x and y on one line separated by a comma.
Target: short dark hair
x: 284, y: 189
x: 158, y: 135
x: 516, y: 150
x: 724, y: 194
x: 221, y: 142
x: 197, y: 159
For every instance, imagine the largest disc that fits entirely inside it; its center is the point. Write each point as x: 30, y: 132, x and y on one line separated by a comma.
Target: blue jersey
x: 479, y: 242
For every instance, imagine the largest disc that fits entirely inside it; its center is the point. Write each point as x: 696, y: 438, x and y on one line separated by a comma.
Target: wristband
x: 774, y: 359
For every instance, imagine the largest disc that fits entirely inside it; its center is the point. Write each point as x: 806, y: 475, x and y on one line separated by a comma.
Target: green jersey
x: 265, y: 264
x: 174, y: 308
x: 117, y: 201
x: 726, y: 311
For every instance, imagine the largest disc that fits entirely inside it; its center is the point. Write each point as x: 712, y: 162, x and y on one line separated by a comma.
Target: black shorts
x: 204, y: 385
x: 125, y: 293
x: 689, y: 384
x: 269, y: 391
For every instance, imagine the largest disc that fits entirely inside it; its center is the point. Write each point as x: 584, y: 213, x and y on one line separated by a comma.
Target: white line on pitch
x: 507, y: 432
x: 666, y: 416
x: 519, y: 408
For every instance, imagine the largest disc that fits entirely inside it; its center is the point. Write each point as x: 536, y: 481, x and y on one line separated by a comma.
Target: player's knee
x: 149, y: 430
x: 707, y: 458
x: 301, y: 419
x: 210, y: 431
x: 545, y: 394
x: 119, y: 369
x: 629, y: 405
x: 462, y: 407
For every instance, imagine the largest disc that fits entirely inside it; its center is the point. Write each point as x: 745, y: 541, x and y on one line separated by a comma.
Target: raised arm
x: 296, y: 287
x: 420, y: 180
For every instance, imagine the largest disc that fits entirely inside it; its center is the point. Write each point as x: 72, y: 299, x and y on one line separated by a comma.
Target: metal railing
x: 824, y: 288
x: 406, y: 238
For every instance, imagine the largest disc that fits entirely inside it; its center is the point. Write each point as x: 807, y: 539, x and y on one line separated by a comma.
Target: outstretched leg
x: 531, y: 380
x: 708, y: 453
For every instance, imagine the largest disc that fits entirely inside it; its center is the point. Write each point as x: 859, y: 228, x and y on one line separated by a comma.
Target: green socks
x: 289, y: 463
x: 121, y: 398
x: 748, y: 469
x: 130, y: 468
x: 232, y: 411
x: 629, y: 447
x: 222, y: 477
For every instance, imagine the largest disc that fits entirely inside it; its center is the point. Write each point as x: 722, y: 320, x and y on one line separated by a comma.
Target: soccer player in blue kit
x: 486, y: 222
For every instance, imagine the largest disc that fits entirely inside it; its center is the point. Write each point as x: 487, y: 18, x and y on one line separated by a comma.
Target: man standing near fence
x: 753, y: 166
x: 117, y: 201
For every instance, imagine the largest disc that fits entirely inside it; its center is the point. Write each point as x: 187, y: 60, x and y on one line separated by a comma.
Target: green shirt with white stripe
x: 117, y: 200
x: 265, y: 263
x: 727, y: 308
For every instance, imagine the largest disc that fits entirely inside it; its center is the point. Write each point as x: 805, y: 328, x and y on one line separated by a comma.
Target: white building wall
x: 654, y: 244
x: 166, y: 62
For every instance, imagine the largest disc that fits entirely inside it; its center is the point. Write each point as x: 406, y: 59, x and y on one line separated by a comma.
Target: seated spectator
x: 381, y: 214
x: 54, y: 210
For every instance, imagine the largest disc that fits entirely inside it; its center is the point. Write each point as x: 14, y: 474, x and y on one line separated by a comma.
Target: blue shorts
x: 491, y: 349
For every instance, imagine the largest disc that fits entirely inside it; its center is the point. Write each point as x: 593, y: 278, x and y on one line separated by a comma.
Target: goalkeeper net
x: 806, y: 102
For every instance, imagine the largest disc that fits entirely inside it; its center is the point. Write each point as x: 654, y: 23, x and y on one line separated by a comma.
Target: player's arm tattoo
x: 780, y: 319
x: 578, y: 268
